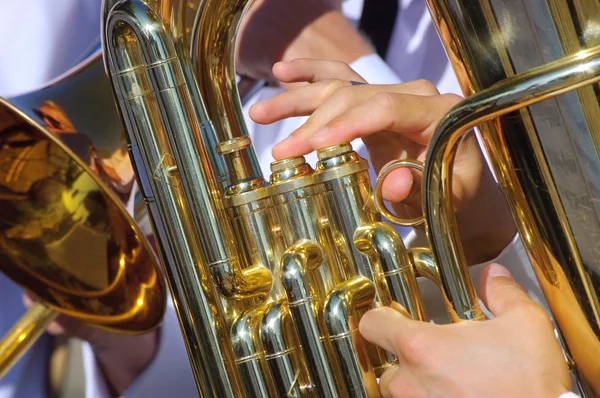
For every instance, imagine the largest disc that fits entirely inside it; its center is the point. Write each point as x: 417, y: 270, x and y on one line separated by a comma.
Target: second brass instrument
x: 530, y: 71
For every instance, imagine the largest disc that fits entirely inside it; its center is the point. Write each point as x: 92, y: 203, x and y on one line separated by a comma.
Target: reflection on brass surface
x: 532, y: 69
x: 78, y: 108
x: 270, y: 279
x: 66, y: 238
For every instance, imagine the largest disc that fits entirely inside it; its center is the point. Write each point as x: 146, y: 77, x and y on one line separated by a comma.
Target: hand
x: 274, y: 30
x: 513, y: 355
x: 122, y: 358
x: 394, y: 122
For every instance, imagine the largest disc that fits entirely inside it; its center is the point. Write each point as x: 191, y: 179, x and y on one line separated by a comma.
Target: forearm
x: 123, y: 360
x: 329, y: 37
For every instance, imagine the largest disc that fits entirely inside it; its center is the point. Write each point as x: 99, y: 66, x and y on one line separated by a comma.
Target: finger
x: 412, y: 116
x: 499, y: 291
x: 301, y: 101
x: 386, y: 380
x: 402, y: 188
x: 374, y: 108
x: 323, y: 100
x: 313, y: 70
x: 384, y: 326
x: 398, y: 185
x: 398, y: 382
x: 29, y: 301
x: 55, y: 328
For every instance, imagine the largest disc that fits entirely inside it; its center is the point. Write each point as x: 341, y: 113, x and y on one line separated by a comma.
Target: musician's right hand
x: 513, y: 355
x: 395, y: 122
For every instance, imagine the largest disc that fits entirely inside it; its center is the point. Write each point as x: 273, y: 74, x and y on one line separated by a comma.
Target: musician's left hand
x: 513, y: 355
x: 121, y: 357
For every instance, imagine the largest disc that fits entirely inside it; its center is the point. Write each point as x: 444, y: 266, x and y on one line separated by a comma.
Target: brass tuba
x: 270, y: 278
x: 530, y: 71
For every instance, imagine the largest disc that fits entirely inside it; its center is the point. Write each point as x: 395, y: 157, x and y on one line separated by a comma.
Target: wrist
x: 329, y: 37
x: 123, y: 358
x: 486, y: 247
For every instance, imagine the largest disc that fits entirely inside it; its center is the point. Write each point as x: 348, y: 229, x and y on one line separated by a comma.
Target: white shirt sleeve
x: 569, y: 395
x: 374, y: 70
x: 169, y: 374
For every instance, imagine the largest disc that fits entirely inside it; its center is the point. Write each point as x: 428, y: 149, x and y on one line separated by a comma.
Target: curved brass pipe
x: 381, y: 243
x: 213, y: 57
x: 504, y: 97
x: 297, y: 263
x: 341, y: 317
x: 249, y: 356
x: 538, y: 84
x: 283, y: 353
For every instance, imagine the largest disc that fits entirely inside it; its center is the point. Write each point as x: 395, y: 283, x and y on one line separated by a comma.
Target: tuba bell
x: 529, y: 70
x: 66, y: 236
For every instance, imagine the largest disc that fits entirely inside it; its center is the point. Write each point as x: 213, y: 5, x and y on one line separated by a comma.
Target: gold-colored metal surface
x: 269, y: 279
x: 23, y: 334
x: 67, y: 239
x: 530, y: 69
x: 78, y: 108
x: 379, y: 203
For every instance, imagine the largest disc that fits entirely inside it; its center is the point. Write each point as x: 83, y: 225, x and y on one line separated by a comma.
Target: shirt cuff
x: 374, y: 70
x: 95, y: 383
x: 169, y: 374
x: 569, y: 395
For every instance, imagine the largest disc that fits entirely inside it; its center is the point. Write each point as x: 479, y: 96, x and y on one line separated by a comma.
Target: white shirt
x: 56, y: 35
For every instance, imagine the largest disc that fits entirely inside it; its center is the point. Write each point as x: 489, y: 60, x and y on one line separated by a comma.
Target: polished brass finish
x: 68, y: 240
x: 530, y: 70
x: 379, y: 203
x: 23, y: 334
x: 78, y: 108
x: 213, y: 58
x: 270, y: 279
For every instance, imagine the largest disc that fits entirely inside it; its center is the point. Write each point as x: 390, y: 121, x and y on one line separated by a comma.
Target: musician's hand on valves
x: 122, y: 358
x: 395, y: 122
x: 513, y: 355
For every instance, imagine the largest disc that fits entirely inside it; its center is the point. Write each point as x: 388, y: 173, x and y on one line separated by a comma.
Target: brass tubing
x: 381, y: 243
x: 254, y: 375
x: 299, y: 260
x: 213, y: 56
x: 189, y: 156
x: 23, y: 334
x: 282, y: 352
x: 347, y: 198
x: 341, y: 318
x: 151, y: 147
x: 345, y: 177
x: 520, y: 91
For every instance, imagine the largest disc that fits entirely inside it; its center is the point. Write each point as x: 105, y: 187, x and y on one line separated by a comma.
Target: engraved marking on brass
x: 166, y: 171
